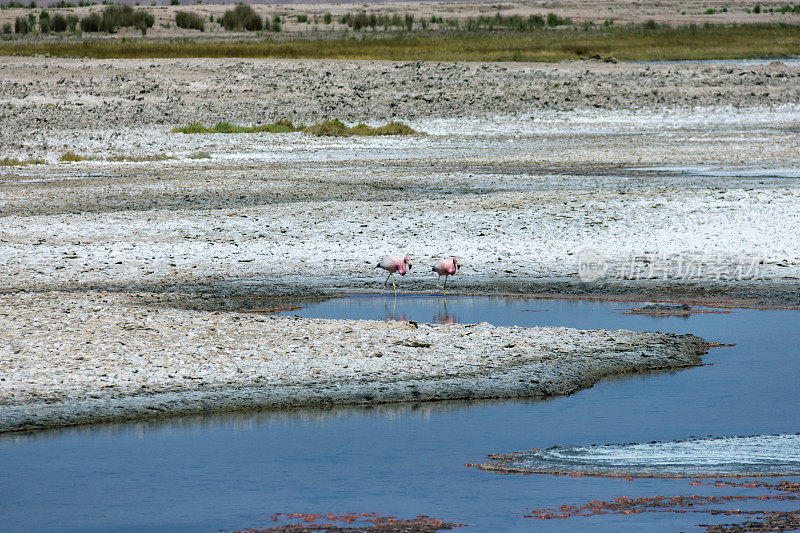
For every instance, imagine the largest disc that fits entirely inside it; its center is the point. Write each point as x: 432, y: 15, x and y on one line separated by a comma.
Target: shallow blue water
x: 227, y: 472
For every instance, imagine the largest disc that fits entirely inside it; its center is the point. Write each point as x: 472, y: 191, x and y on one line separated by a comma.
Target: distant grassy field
x: 625, y: 44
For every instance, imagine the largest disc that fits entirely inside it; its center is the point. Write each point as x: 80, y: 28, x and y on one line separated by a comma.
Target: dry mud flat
x: 38, y: 95
x: 259, y: 213
x: 71, y: 358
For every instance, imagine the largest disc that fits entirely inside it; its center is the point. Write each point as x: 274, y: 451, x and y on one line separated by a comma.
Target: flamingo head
x: 407, y: 261
x: 457, y: 262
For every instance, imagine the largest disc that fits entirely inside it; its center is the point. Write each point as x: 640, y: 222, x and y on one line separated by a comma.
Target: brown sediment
x: 351, y: 523
x: 627, y: 476
x: 683, y: 504
x: 678, y: 311
x: 771, y: 521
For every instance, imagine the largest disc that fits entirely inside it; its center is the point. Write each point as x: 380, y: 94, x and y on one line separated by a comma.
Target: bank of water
x: 232, y: 471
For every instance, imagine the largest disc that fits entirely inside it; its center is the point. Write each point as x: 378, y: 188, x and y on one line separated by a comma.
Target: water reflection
x: 442, y: 315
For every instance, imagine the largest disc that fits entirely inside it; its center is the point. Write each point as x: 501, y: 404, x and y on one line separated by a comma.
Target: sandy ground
x: 673, y: 12
x: 121, y: 275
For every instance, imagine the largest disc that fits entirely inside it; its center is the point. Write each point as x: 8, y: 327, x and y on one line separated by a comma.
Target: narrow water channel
x: 232, y: 471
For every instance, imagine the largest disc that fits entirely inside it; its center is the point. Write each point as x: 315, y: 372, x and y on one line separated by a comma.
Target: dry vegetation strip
x: 632, y: 44
x: 329, y: 128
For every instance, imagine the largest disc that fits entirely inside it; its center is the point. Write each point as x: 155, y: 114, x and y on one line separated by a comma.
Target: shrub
x: 21, y: 26
x: 174, y: 2
x: 7, y: 28
x: 757, y: 9
x: 241, y: 17
x: 650, y: 25
x: 44, y: 22
x: 91, y: 22
x: 59, y: 23
x: 555, y: 20
x: 61, y: 4
x: 189, y: 20
x: 275, y: 26
x: 72, y: 22
x: 409, y: 19
x: 535, y: 21
x: 118, y: 16
x: 360, y: 21
x: 302, y: 18
x: 328, y: 18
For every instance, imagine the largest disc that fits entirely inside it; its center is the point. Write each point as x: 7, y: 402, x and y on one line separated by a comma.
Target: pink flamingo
x: 446, y: 267
x: 392, y: 264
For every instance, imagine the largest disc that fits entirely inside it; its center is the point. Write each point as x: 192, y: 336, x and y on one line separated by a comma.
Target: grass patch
x: 337, y: 128
x: 71, y: 156
x: 280, y: 126
x: 329, y: 128
x: 14, y: 162
x: 623, y: 42
x: 199, y: 155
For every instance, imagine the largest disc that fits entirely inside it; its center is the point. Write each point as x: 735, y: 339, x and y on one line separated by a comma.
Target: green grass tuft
x: 337, y: 128
x: 329, y: 128
x: 14, y: 162
x: 71, y: 156
x: 280, y: 126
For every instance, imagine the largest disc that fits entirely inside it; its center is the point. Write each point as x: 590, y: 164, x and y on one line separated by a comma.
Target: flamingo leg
x: 445, y: 285
x: 395, y: 288
x: 438, y: 280
x: 385, y: 282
